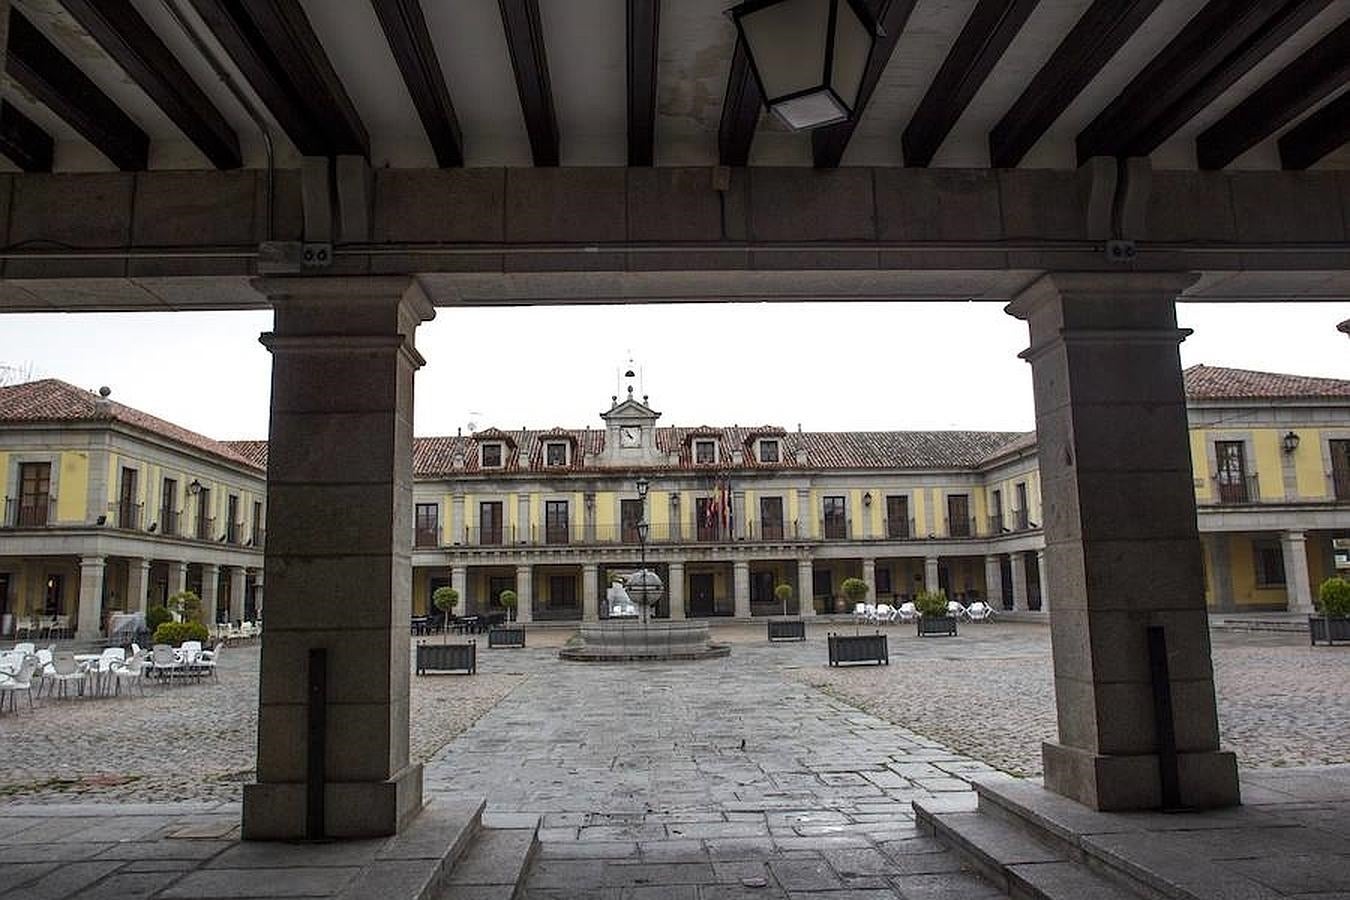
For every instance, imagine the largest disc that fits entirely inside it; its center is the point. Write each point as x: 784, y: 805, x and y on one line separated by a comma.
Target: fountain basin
x: 630, y: 641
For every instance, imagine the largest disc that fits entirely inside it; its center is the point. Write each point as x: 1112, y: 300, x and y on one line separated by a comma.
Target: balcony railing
x: 1239, y: 490
x: 33, y: 512
x: 996, y: 526
x: 961, y: 528
x: 836, y: 529
x: 126, y: 515
x: 170, y: 520
x: 1021, y: 522
x: 233, y: 532
x: 899, y: 529
x: 427, y: 536
x: 206, y: 528
x: 259, y: 536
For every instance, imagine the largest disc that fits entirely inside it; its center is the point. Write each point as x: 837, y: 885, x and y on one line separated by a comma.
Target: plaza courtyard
x: 761, y: 774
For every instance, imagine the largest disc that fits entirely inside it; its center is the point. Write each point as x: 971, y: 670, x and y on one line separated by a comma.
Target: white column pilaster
x: 741, y: 588
x: 138, y: 583
x: 1297, y: 583
x: 177, y: 577
x: 675, y: 589
x: 89, y: 619
x: 237, y: 575
x: 524, y: 594
x: 869, y: 577
x: 931, y: 582
x: 590, y: 592
x: 210, y: 592
x: 1044, y: 581
x: 993, y: 581
x: 1019, y: 581
x: 459, y: 580
x: 806, y: 588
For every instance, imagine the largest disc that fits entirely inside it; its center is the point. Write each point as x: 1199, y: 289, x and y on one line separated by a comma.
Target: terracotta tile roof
x: 52, y: 400
x: 1218, y: 383
x: 254, y: 451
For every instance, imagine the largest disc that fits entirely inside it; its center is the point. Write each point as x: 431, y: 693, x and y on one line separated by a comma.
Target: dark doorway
x: 51, y: 605
x: 1005, y: 567
x: 702, y: 602
x: 1033, y: 582
x: 821, y: 587
x: 6, y: 622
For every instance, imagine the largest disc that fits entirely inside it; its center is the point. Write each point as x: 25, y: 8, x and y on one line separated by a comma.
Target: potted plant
x: 857, y: 647
x: 507, y: 635
x: 185, y: 606
x: 445, y: 599
x: 446, y: 656
x: 933, y: 615
x: 786, y: 629
x: 1333, y: 605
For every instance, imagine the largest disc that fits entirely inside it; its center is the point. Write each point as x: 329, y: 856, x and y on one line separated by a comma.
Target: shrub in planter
x: 446, y: 599
x: 508, y: 602
x: 931, y: 603
x: 1333, y: 598
x: 156, y: 616
x: 177, y: 632
x: 185, y: 605
x: 783, y: 593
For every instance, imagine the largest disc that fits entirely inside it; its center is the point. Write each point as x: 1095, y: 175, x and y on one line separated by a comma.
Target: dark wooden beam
x: 1301, y: 85
x: 24, y: 141
x: 405, y: 27
x: 38, y: 67
x: 987, y: 33
x: 829, y: 143
x: 1316, y: 136
x: 525, y: 41
x: 1217, y: 46
x: 131, y: 43
x: 1101, y: 31
x: 644, y: 23
x: 274, y: 46
x: 740, y: 110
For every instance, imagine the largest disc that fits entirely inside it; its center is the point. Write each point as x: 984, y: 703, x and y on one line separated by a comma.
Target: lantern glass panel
x: 810, y: 110
x: 787, y: 41
x: 852, y: 46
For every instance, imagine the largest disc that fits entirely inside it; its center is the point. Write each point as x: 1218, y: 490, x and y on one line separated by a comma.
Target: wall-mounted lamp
x: 1290, y: 442
x: 867, y: 499
x: 101, y: 520
x: 674, y: 499
x: 643, y: 485
x: 195, y: 487
x: 153, y: 526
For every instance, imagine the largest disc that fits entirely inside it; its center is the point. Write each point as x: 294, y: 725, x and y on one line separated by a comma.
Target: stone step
x: 1016, y: 860
x: 494, y: 866
x: 415, y: 863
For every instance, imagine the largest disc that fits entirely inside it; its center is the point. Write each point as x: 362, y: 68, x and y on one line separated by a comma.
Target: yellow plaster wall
x: 1204, y: 490
x: 1312, y: 482
x: 793, y: 513
x: 1243, y: 575
x: 1269, y: 474
x: 73, y: 503
x: 918, y: 510
x: 855, y: 512
x: 605, y: 503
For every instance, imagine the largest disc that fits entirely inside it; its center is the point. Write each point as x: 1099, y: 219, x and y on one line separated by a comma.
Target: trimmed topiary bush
x: 156, y: 616
x: 855, y: 589
x: 177, y: 632
x: 508, y: 601
x: 1333, y: 597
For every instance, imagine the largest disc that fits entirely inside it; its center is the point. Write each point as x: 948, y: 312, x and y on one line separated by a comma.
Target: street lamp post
x: 642, y: 529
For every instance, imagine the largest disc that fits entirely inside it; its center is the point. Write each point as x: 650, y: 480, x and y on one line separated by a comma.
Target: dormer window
x: 705, y: 452
x: 490, y: 456
x: 768, y: 451
x: 555, y: 453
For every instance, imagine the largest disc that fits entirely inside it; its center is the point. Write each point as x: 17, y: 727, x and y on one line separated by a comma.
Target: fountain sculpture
x: 630, y: 634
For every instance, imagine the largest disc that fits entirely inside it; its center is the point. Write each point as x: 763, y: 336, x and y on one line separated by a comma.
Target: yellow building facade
x: 108, y: 508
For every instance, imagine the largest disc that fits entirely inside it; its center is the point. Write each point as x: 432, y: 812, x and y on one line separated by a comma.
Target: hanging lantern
x: 808, y: 56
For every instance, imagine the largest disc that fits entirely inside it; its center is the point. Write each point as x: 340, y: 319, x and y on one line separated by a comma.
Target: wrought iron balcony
x: 427, y: 536
x: 899, y: 529
x: 30, y: 512
x: 996, y: 525
x: 126, y: 515
x: 259, y: 537
x: 170, y: 521
x: 1238, y: 490
x: 206, y: 527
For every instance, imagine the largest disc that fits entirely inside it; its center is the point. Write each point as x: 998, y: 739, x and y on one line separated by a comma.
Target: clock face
x: 629, y: 436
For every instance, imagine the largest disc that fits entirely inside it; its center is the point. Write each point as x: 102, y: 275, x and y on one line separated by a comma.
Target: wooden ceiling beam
x: 275, y: 47
x: 1316, y: 136
x: 38, y: 67
x: 829, y: 143
x: 23, y: 141
x: 131, y: 43
x: 644, y: 23
x: 525, y: 42
x: 1101, y: 31
x: 405, y: 28
x: 1217, y: 46
x: 740, y: 111
x: 1301, y: 85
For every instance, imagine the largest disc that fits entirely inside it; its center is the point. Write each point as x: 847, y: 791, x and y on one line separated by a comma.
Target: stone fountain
x: 640, y: 638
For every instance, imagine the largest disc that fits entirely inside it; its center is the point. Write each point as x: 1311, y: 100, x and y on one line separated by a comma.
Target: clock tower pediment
x: 630, y: 434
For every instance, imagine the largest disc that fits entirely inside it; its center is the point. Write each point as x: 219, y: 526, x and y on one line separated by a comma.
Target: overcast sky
x: 840, y: 366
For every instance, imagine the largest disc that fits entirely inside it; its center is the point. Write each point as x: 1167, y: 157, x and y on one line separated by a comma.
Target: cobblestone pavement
x: 192, y: 741
x: 709, y: 780
x: 989, y: 693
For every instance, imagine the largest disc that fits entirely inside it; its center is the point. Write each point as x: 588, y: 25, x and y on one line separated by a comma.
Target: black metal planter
x: 447, y: 658
x: 1328, y: 630
x: 506, y: 636
x: 787, y: 630
x: 857, y: 648
x: 930, y: 626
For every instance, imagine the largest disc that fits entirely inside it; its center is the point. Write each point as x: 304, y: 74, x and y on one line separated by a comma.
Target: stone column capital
x: 89, y: 562
x: 1294, y: 536
x: 209, y: 569
x: 1107, y: 285
x: 337, y: 288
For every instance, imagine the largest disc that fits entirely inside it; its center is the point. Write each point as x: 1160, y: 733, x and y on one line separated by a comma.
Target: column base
x: 358, y: 809
x: 1118, y: 783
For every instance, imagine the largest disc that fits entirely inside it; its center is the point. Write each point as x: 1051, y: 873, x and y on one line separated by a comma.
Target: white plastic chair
x: 102, y: 669
x: 885, y: 613
x: 207, y: 659
x: 859, y: 612
x: 165, y: 662
x: 979, y: 611
x: 21, y: 680
x: 906, y: 612
x: 130, y: 672
x: 26, y: 647
x: 956, y: 610
x: 66, y: 669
